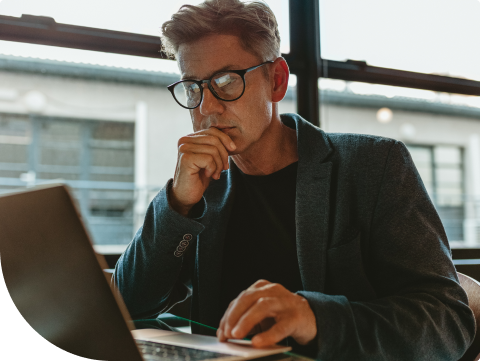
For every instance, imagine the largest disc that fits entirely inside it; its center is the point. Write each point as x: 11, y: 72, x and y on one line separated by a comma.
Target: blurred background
x: 106, y: 125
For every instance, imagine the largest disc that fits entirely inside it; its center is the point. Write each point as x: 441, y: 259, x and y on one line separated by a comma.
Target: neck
x: 276, y: 149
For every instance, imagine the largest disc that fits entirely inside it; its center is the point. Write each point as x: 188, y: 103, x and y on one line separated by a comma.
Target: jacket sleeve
x: 421, y: 312
x: 151, y: 275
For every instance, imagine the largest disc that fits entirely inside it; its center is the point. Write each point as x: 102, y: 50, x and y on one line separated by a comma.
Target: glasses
x: 227, y: 86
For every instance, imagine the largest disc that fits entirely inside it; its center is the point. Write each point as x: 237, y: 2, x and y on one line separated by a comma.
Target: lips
x: 223, y: 128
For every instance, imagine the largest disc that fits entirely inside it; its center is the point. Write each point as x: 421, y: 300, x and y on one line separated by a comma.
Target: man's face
x: 245, y: 119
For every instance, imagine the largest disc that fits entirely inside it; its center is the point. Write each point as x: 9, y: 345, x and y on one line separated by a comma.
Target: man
x: 271, y: 225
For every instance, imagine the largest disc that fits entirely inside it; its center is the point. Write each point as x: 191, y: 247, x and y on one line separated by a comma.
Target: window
x: 441, y: 169
x: 96, y: 158
x: 416, y: 35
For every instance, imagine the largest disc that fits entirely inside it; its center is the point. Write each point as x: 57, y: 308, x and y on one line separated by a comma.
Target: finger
x: 265, y: 307
x: 196, y: 162
x: 260, y: 283
x: 205, y: 149
x: 246, y: 300
x: 224, y: 138
x: 220, y: 330
x: 221, y: 327
x: 207, y: 139
x: 276, y: 333
x: 226, y: 141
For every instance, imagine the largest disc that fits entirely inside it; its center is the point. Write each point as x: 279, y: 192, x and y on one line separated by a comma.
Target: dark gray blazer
x: 373, y: 255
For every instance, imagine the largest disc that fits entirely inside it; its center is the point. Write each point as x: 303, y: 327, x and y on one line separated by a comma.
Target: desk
x: 178, y: 324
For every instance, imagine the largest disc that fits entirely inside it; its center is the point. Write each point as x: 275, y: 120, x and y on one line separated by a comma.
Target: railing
x: 108, y: 208
x: 125, y: 205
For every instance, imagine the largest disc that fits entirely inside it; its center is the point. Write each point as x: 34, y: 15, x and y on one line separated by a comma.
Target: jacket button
x: 183, y: 244
x: 178, y: 254
x: 187, y: 237
x: 181, y: 249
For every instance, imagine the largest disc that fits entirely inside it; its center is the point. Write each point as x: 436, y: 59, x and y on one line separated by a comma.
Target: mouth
x: 222, y: 128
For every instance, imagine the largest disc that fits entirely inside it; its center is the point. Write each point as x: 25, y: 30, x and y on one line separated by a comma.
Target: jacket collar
x: 312, y: 211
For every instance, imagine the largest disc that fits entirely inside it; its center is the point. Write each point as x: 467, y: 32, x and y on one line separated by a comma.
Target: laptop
x: 57, y: 282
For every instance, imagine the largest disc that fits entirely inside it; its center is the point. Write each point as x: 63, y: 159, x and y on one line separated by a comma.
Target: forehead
x: 202, y: 58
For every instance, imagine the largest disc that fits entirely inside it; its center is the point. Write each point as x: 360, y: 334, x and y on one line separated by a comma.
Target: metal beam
x: 45, y: 31
x: 305, y: 45
x: 362, y: 72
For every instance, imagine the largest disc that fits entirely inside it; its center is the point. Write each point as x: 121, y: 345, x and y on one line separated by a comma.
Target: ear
x: 281, y: 74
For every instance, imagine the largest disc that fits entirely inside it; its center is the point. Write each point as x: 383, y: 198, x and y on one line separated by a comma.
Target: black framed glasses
x: 226, y: 85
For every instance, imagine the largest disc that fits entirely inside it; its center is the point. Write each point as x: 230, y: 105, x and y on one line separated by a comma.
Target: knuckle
x: 276, y: 286
x: 210, y: 139
x: 182, y: 140
x: 186, y: 157
x: 216, y: 140
x: 246, y: 295
x: 182, y: 148
x: 243, y: 295
x: 265, y: 302
x: 261, y: 282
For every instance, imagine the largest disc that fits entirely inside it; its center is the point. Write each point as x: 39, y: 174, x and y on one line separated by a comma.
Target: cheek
x: 196, y: 119
x: 259, y: 112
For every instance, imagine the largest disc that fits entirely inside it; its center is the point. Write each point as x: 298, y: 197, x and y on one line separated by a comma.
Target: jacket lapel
x: 219, y: 200
x: 312, y: 204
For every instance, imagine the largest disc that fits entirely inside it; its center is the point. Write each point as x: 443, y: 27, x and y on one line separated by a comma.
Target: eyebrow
x: 227, y: 67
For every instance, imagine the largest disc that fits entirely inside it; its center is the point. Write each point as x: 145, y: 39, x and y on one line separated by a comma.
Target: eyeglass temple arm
x: 255, y: 67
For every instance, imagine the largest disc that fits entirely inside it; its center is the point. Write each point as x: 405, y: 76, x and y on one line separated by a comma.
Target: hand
x: 201, y: 156
x: 268, y: 305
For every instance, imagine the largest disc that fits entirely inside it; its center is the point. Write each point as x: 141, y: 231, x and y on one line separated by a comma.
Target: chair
x: 472, y: 288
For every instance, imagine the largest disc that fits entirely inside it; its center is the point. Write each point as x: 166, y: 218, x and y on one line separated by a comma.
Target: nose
x: 210, y: 105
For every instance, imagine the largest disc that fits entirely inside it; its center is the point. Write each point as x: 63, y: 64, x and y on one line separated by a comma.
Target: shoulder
x: 350, y: 141
x: 365, y: 147
x: 364, y: 156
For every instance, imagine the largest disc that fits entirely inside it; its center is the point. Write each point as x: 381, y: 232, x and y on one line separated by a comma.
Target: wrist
x: 309, y: 324
x: 176, y: 205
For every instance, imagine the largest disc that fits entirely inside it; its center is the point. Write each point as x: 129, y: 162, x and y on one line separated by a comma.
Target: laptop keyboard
x: 153, y: 351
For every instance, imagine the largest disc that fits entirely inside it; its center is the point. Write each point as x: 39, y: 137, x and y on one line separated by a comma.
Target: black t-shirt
x: 260, y: 242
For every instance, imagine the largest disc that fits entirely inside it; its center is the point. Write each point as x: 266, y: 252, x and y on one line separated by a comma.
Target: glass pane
x: 14, y: 141
x: 112, y: 152
x: 111, y: 203
x: 422, y: 157
x: 448, y: 176
x: 448, y: 156
x: 111, y: 216
x: 114, y: 132
x: 13, y: 153
x: 403, y: 34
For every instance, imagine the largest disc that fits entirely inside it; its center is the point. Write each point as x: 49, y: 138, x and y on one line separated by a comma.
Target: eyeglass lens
x: 227, y: 86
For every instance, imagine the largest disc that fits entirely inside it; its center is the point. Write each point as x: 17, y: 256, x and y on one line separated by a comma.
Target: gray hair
x: 253, y: 22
